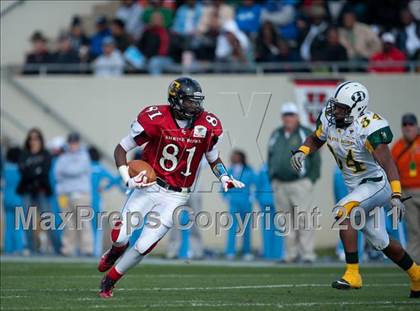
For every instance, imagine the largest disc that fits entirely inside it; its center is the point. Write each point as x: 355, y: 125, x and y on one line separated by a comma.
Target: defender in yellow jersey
x: 358, y: 140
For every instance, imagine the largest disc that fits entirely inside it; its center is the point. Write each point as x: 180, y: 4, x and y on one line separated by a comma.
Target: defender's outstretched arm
x: 312, y: 144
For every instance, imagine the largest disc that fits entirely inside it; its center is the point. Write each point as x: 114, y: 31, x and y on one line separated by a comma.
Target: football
x: 136, y: 166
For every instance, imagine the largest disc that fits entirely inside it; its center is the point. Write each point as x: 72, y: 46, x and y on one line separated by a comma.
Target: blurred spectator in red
x: 35, y: 186
x: 358, y: 38
x: 316, y: 34
x: 130, y: 12
x: 232, y: 45
x: 409, y: 35
x: 102, y: 32
x: 157, y: 6
x: 390, y: 59
x: 78, y: 39
x: 216, y: 9
x: 65, y: 54
x: 282, y: 14
x: 111, y: 62
x: 155, y: 44
x: 248, y: 17
x: 122, y: 41
x: 39, y: 55
x: 333, y: 50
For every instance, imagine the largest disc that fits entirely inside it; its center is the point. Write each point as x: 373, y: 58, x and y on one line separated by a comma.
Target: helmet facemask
x: 188, y: 107
x: 338, y: 114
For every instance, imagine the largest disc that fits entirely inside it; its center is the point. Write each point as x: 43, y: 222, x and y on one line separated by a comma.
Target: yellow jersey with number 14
x: 352, y: 147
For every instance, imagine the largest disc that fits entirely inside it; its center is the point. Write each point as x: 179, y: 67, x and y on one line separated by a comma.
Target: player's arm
x: 220, y: 171
x: 311, y: 144
x: 383, y: 156
x: 377, y: 143
x: 131, y: 141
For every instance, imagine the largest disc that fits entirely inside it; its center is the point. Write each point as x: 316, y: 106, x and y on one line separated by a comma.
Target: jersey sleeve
x: 215, y: 129
x: 376, y: 131
x: 145, y: 127
x: 321, y: 130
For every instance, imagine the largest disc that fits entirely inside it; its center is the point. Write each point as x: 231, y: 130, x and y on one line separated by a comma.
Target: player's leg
x: 165, y: 204
x: 135, y: 209
x: 366, y: 196
x: 377, y: 235
x: 147, y: 241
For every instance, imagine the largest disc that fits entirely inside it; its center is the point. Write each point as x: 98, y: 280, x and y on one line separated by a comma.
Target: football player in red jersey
x: 176, y: 137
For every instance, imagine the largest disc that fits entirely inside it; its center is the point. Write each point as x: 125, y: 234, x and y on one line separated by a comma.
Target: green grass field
x: 72, y: 286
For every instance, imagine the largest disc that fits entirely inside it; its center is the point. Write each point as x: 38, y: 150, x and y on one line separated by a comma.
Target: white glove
x: 398, y: 206
x: 230, y: 182
x: 297, y: 160
x: 139, y: 181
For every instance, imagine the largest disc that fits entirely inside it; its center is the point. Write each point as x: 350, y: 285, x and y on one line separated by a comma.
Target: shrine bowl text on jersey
x: 352, y: 146
x: 174, y: 152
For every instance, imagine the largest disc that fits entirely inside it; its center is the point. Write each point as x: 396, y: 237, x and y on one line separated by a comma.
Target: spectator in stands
x: 102, y: 32
x: 269, y: 47
x: 406, y: 154
x: 216, y: 9
x: 185, y: 25
x: 65, y: 55
x: 40, y: 55
x: 206, y: 42
x: 34, y: 185
x: 240, y: 204
x: 130, y: 12
x: 316, y: 34
x: 13, y: 236
x: 122, y: 41
x: 111, y: 62
x: 79, y: 41
x: 358, y: 38
x: 73, y: 176
x: 282, y: 14
x: 102, y: 180
x: 409, y: 35
x: 155, y: 45
x: 156, y: 6
x: 390, y: 59
x: 248, y: 17
x: 187, y: 18
x: 333, y: 50
x: 233, y: 45
x: 293, y: 191
x: 272, y: 239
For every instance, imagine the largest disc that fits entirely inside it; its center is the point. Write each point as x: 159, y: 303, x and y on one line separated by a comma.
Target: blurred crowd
x: 65, y: 175
x: 158, y: 36
x: 55, y: 177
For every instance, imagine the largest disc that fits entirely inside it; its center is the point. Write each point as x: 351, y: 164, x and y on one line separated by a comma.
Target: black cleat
x: 415, y: 294
x: 340, y: 284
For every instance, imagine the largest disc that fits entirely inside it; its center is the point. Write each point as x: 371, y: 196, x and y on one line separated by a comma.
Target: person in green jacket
x: 293, y: 191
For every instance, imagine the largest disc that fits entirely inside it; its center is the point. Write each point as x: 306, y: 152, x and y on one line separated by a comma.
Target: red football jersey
x: 173, y: 152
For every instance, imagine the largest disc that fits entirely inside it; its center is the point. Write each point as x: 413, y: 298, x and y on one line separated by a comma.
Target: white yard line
x: 215, y: 288
x: 196, y: 304
x: 186, y: 275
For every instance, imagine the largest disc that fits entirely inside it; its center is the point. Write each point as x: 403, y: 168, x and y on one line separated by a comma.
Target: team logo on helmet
x: 358, y: 96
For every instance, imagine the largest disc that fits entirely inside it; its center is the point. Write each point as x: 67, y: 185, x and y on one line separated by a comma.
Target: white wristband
x: 123, y: 169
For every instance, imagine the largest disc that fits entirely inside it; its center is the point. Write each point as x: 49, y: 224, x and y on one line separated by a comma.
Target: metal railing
x: 225, y: 67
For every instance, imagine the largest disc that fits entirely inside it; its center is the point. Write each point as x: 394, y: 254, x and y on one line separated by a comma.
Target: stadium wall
x: 102, y: 110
